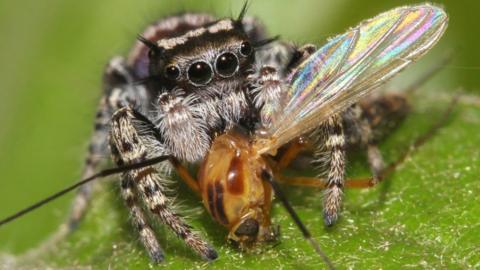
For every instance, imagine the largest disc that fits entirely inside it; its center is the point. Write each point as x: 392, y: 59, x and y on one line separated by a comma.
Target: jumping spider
x: 191, y: 78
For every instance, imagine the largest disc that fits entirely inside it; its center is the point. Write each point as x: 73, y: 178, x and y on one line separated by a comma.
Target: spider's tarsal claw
x: 211, y: 254
x: 329, y: 218
x: 157, y: 257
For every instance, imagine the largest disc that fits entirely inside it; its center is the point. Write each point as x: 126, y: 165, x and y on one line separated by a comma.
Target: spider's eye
x: 200, y: 73
x: 226, y: 64
x: 246, y: 48
x: 172, y: 72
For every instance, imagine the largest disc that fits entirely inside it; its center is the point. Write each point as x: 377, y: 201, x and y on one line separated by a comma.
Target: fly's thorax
x: 233, y: 191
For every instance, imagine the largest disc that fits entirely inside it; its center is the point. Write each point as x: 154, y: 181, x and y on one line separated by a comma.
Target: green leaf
x: 425, y: 215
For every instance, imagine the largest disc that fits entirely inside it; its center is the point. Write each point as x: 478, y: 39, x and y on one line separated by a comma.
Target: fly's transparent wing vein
x: 350, y: 66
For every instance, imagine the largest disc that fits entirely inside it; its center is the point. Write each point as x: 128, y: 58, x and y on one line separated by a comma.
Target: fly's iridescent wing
x: 349, y: 66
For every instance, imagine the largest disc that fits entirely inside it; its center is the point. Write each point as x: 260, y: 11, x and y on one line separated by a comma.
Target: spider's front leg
x: 332, y: 154
x: 271, y: 76
x: 267, y: 93
x: 133, y: 140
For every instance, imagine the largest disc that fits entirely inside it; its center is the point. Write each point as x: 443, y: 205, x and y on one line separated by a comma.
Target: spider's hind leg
x: 119, y: 90
x: 379, y: 116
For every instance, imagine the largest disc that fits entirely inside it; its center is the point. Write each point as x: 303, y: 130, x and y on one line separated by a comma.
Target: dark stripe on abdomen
x: 219, y: 203
x: 211, y: 202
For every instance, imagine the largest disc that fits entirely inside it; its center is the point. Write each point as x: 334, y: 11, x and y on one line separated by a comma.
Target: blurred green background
x: 52, y: 53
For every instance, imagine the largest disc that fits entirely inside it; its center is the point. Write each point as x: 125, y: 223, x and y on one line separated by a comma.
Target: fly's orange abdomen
x: 228, y: 180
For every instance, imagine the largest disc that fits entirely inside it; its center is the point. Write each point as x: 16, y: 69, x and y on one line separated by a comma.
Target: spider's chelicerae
x: 194, y: 85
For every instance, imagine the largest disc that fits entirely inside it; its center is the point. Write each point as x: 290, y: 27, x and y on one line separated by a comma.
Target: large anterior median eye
x: 226, y: 64
x: 199, y: 73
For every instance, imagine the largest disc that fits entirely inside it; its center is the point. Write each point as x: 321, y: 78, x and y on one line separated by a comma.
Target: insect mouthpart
x: 252, y: 229
x: 248, y: 228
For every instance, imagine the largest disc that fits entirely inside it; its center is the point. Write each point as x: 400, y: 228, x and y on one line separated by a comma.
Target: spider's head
x: 205, y: 59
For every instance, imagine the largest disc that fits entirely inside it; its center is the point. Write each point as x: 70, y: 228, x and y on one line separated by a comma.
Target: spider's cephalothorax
x: 192, y: 81
x: 196, y: 76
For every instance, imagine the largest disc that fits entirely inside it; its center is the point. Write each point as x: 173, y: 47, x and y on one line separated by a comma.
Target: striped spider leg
x: 133, y: 140
x: 117, y: 112
x: 120, y: 90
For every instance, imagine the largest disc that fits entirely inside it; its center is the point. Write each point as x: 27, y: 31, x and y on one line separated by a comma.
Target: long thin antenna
x: 103, y: 173
x: 306, y: 233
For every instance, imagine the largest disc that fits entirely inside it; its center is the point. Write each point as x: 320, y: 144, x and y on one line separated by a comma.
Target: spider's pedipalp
x: 182, y: 126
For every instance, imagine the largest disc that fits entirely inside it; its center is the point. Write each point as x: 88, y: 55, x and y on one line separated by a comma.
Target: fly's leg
x: 321, y: 182
x: 131, y: 140
x: 289, y: 154
x: 185, y: 175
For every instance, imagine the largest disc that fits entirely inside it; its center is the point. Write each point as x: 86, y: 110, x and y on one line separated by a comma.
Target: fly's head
x: 234, y: 193
x: 206, y: 61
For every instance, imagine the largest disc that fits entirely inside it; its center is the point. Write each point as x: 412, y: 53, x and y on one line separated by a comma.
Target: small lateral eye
x: 246, y: 48
x: 226, y: 64
x: 200, y: 73
x: 172, y: 72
